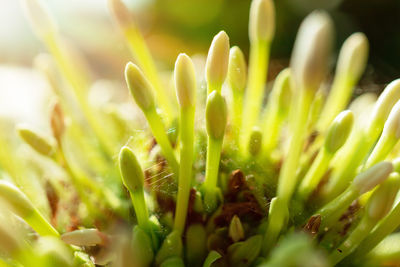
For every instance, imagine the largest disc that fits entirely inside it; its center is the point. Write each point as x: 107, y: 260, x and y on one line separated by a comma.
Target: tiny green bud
x: 139, y: 86
x: 382, y: 199
x: 171, y: 247
x: 185, y: 81
x: 131, y: 172
x: 245, y: 252
x: 255, y: 141
x: 217, y: 61
x: 375, y: 175
x: 262, y: 20
x: 237, y: 70
x: 39, y: 18
x: 120, y: 13
x: 196, y: 244
x: 142, y: 247
x: 216, y: 115
x: 383, y: 106
x: 36, y: 141
x: 339, y: 131
x: 236, y: 232
x: 353, y: 56
x: 84, y: 237
x: 16, y: 199
x: 309, y: 61
x: 173, y: 262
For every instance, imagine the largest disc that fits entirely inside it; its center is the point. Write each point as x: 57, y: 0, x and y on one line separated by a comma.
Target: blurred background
x: 174, y: 26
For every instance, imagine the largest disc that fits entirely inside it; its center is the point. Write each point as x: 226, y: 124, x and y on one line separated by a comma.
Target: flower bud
x: 237, y: 70
x: 84, y: 237
x: 262, y: 20
x: 57, y: 121
x: 217, y: 61
x: 282, y: 91
x: 309, y: 62
x: 375, y: 175
x: 245, y: 252
x: 353, y: 56
x: 131, y: 172
x: 383, y: 106
x: 236, y: 232
x: 216, y: 115
x: 16, y: 199
x: 173, y: 262
x: 34, y: 140
x: 339, y: 131
x: 196, y: 244
x: 381, y: 201
x: 171, y: 247
x: 120, y: 13
x: 392, y: 124
x: 185, y: 81
x: 39, y: 17
x: 255, y: 141
x: 139, y: 86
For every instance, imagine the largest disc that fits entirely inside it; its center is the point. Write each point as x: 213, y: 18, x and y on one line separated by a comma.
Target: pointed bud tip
x: 375, y: 175
x: 262, y: 20
x: 130, y: 169
x: 185, y: 81
x: 339, y: 131
x: 39, y: 143
x: 139, y: 87
x: 217, y: 60
x: 236, y: 232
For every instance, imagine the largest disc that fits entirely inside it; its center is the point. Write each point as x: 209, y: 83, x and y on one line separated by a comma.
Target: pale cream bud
x: 139, y: 87
x: 339, y: 131
x: 185, y: 81
x: 262, y: 20
x: 131, y: 172
x: 237, y: 70
x: 36, y: 141
x: 370, y: 178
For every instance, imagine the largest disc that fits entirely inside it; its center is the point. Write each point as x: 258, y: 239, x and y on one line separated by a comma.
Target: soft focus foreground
x: 213, y: 171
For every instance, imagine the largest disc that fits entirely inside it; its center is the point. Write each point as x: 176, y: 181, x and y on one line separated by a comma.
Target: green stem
x: 355, y: 238
x: 237, y: 110
x: 272, y: 126
x: 389, y: 224
x: 314, y: 174
x: 41, y: 225
x: 186, y: 128
x: 212, y: 166
x: 158, y: 130
x: 140, y: 207
x: 381, y: 150
x: 258, y: 69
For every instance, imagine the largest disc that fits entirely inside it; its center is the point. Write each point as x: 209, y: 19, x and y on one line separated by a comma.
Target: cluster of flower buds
x: 218, y: 178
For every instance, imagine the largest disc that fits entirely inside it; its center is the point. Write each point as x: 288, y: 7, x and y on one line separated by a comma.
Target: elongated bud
x: 217, y: 61
x: 383, y: 106
x: 381, y: 201
x: 120, y: 13
x: 391, y: 128
x: 216, y: 115
x: 57, y: 121
x: 237, y: 70
x: 262, y: 20
x: 375, y: 175
x: 171, y: 247
x: 16, y: 199
x: 39, y: 17
x: 255, y: 142
x: 353, y: 56
x: 139, y: 86
x: 282, y: 90
x: 196, y: 244
x: 236, y: 232
x: 185, y: 81
x: 339, y: 131
x: 131, y: 172
x: 84, y: 237
x: 37, y: 142
x: 311, y: 51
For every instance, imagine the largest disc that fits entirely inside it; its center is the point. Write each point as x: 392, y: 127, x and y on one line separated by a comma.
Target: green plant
x: 295, y: 182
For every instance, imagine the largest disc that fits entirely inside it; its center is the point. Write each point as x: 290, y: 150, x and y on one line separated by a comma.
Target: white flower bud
x: 375, y: 175
x: 185, y: 81
x: 262, y: 20
x: 139, y: 86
